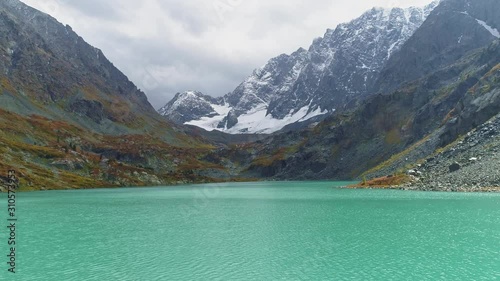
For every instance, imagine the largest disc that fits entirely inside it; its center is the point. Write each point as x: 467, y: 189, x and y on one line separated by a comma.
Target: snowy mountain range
x: 336, y: 72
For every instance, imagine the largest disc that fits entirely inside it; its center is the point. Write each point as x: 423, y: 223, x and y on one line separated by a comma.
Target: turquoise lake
x: 254, y: 231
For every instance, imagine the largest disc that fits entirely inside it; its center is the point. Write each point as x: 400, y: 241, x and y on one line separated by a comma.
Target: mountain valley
x: 421, y: 99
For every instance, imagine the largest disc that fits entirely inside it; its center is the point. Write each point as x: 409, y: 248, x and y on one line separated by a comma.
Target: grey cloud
x: 167, y: 53
x: 96, y: 8
x: 193, y: 17
x: 189, y: 68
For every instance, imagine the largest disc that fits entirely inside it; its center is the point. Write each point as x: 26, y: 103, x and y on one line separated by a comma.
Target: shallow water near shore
x: 255, y: 231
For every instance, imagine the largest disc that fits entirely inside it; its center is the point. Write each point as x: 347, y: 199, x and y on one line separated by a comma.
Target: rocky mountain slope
x: 473, y: 161
x: 54, y: 73
x: 391, y: 132
x: 455, y: 28
x: 336, y: 71
x: 69, y: 118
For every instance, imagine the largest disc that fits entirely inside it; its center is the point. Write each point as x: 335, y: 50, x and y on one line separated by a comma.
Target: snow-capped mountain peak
x: 332, y: 74
x: 191, y: 105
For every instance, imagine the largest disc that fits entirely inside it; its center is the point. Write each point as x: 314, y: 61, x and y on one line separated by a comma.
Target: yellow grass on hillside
x: 383, y: 182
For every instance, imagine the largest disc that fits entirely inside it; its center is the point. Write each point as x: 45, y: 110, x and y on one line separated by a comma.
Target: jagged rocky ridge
x: 191, y: 105
x: 336, y: 72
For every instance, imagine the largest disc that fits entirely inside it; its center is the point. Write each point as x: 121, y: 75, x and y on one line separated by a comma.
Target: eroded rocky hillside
x: 69, y: 118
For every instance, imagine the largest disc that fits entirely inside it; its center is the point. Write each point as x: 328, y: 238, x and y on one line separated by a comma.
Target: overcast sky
x: 169, y: 46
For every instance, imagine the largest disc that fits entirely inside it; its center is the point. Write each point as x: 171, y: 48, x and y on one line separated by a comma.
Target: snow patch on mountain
x: 256, y: 120
x: 211, y: 123
x: 492, y: 30
x: 260, y: 122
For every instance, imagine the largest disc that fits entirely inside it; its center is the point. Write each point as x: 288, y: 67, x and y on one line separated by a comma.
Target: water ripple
x: 259, y: 231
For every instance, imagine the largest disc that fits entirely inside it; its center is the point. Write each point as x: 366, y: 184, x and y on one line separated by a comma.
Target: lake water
x: 254, y: 231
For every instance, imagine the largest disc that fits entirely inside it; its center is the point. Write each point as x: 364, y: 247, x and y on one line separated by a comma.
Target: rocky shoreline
x: 470, y: 164
x: 412, y: 187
